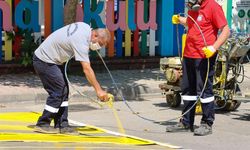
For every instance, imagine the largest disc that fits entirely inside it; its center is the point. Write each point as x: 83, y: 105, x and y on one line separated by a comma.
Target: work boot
x: 46, y: 129
x: 203, y: 130
x: 179, y: 127
x: 69, y: 130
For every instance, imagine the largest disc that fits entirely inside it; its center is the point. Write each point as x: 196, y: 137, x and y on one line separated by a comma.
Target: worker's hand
x: 110, y: 100
x: 209, y: 51
x: 175, y: 19
x: 102, y: 95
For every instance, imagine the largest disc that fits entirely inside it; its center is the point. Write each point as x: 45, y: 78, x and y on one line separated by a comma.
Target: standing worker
x: 49, y: 58
x: 209, y: 16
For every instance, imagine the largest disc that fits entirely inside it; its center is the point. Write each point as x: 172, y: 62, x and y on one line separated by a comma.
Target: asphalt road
x: 150, y: 117
x: 230, y: 131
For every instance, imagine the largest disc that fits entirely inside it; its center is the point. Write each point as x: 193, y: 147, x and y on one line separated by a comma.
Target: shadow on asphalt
x: 166, y: 107
x: 161, y: 104
x: 80, y: 107
x: 126, y: 81
x: 16, y: 80
x: 243, y: 117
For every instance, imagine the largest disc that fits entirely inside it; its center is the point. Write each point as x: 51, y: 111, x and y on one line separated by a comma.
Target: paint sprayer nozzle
x: 110, y: 100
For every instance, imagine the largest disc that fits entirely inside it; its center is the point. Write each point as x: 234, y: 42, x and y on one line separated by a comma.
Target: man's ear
x: 93, y: 36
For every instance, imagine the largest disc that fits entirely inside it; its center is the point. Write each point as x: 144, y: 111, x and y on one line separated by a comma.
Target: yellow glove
x: 175, y: 19
x: 209, y: 51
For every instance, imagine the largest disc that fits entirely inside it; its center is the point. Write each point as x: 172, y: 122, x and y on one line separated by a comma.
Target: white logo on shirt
x: 199, y: 18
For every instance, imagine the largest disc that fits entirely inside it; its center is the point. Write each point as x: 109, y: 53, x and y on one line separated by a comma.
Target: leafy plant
x: 10, y: 35
x: 28, y: 46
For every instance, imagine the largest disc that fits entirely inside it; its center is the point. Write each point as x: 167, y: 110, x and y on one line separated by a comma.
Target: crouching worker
x: 209, y: 19
x: 72, y: 40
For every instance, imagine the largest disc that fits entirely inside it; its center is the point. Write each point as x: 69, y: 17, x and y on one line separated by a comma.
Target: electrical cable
x: 225, y: 103
x: 239, y: 73
x: 178, y: 44
x: 123, y: 99
x: 120, y: 93
x: 84, y: 95
x: 130, y: 108
x: 208, y: 66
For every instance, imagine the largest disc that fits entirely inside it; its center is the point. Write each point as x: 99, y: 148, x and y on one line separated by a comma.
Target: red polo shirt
x: 210, y: 18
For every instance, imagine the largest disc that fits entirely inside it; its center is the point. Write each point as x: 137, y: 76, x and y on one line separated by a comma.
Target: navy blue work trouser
x: 55, y: 83
x: 194, y: 77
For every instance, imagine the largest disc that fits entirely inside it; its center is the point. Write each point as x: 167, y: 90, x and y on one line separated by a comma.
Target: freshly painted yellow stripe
x: 20, y: 116
x: 82, y: 130
x: 110, y: 104
x: 87, y: 130
x: 16, y: 126
x: 29, y: 137
x: 27, y: 118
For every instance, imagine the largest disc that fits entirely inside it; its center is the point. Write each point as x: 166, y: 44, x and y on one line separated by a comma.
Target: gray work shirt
x: 68, y: 41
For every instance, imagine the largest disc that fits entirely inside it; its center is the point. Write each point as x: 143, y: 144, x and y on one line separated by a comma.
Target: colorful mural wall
x: 138, y: 27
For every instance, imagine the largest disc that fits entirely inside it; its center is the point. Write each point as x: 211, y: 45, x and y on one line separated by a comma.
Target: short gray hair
x: 103, y: 33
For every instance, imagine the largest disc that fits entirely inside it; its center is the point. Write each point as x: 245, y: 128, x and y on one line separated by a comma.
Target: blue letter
x: 88, y: 14
x: 33, y: 7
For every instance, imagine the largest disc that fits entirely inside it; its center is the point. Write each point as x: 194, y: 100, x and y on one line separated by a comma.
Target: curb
x: 42, y: 96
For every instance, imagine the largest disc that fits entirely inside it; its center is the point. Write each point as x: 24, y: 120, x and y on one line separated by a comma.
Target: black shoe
x: 179, y: 127
x: 46, y: 129
x: 69, y: 130
x: 203, y: 130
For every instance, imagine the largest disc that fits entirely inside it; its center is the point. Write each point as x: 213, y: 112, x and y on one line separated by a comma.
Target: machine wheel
x: 173, y: 100
x: 232, y: 105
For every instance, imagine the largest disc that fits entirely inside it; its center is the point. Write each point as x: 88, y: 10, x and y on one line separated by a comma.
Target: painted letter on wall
x: 7, y: 22
x: 33, y: 7
x: 121, y: 23
x: 88, y: 14
x: 152, y: 17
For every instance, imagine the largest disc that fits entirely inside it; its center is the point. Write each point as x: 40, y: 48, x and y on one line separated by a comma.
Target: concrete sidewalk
x: 134, y: 84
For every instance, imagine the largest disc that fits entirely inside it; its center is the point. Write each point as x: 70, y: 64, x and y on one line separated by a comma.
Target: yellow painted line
x: 110, y: 104
x: 15, y: 127
x: 86, y: 130
x: 129, y: 136
x: 83, y: 130
x: 29, y: 137
x: 77, y: 147
x: 29, y: 117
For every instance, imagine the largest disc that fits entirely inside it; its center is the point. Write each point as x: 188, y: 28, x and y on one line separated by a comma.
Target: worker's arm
x: 209, y: 51
x: 177, y: 19
x: 225, y: 33
x: 183, y: 20
x: 90, y: 75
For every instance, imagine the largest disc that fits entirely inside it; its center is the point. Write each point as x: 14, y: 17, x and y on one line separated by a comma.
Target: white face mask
x: 94, y: 46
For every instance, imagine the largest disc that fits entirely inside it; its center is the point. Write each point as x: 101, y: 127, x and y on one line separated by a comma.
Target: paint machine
x: 229, y: 73
x: 172, y: 69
